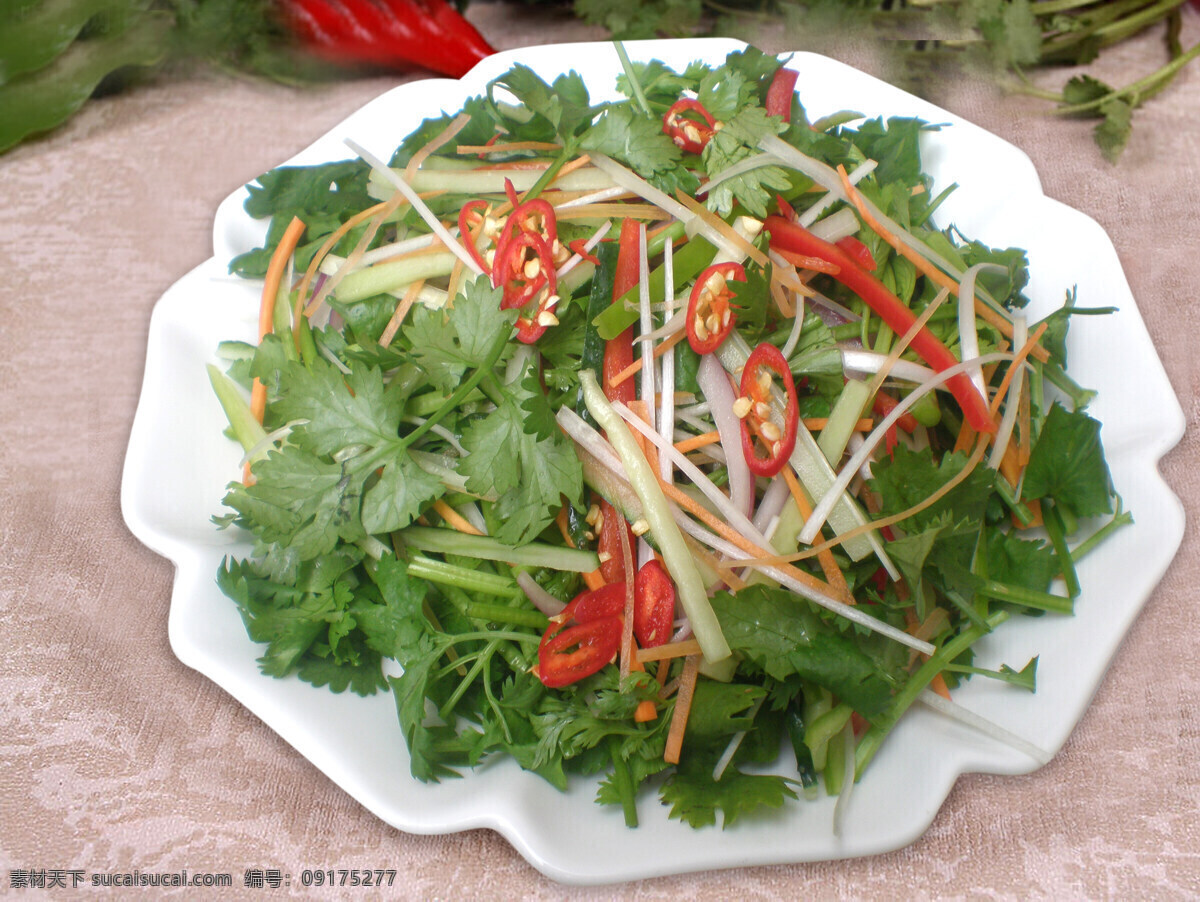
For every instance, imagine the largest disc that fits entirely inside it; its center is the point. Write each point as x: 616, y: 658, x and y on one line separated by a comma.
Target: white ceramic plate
x: 357, y: 742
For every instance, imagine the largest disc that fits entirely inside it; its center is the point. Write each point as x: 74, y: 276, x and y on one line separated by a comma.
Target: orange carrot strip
x: 454, y: 518
x: 661, y: 348
x: 668, y: 651
x: 1017, y: 362
x: 721, y: 528
x: 833, y: 573
x: 698, y: 441
x: 609, y: 211
x: 683, y: 707
x: 400, y: 313
x: 439, y: 140
x: 816, y: 424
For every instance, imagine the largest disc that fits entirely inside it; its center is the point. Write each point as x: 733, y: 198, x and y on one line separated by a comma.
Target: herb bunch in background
x: 1003, y: 39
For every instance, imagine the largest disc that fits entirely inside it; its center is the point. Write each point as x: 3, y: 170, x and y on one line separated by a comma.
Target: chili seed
x: 640, y: 527
x: 770, y: 431
x: 742, y: 406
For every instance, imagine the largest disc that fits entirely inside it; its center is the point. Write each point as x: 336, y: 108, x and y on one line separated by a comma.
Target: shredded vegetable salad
x: 666, y: 440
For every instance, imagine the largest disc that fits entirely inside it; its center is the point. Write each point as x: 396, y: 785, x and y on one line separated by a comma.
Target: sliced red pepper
x: 756, y: 389
x: 653, y: 605
x: 567, y: 655
x: 389, y: 33
x: 884, y: 403
x: 690, y: 133
x: 608, y: 543
x: 710, y: 316
x: 859, y: 252
x: 780, y: 93
x: 579, y: 246
x: 595, y: 604
x: 477, y: 210
x: 793, y: 237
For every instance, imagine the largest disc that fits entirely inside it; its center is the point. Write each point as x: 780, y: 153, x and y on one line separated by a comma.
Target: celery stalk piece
x: 666, y: 532
x: 535, y: 554
x: 461, y: 181
x: 849, y: 407
x: 246, y: 429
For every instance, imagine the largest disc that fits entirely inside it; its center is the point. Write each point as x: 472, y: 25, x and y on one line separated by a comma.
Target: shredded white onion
x: 714, y: 383
x: 843, y: 802
x: 836, y: 226
x: 968, y: 333
x: 978, y: 722
x: 666, y: 412
x: 735, y: 742
x: 871, y: 362
x: 541, y: 599
x: 440, y: 431
x: 267, y: 442
x: 821, y: 511
x: 594, y: 198
x: 773, y: 500
x: 1009, y: 419
x: 419, y: 205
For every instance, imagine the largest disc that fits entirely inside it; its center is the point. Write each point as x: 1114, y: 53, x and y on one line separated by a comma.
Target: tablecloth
x: 115, y: 757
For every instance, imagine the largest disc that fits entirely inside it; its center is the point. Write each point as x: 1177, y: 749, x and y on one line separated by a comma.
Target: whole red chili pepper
x: 689, y: 133
x: 390, y: 33
x: 797, y: 239
x: 710, y: 316
x: 756, y: 391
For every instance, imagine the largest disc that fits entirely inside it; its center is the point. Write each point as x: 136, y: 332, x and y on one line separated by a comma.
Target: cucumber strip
x: 385, y: 277
x: 246, y: 429
x: 681, y: 566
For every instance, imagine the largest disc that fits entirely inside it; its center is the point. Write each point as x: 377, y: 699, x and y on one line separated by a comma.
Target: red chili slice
x: 653, y: 605
x: 529, y: 281
x: 476, y: 209
x: 608, y: 544
x: 690, y: 133
x: 780, y: 93
x: 595, y: 604
x: 755, y: 388
x: 710, y: 316
x: 566, y: 656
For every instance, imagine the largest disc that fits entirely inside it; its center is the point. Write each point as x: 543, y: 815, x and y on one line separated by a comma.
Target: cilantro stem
x: 1120, y: 518
x: 460, y: 393
x: 1053, y: 520
x: 422, y: 567
x: 1150, y: 81
x: 501, y: 613
x: 551, y: 171
x: 1029, y: 598
x: 634, y: 85
x: 465, y: 683
x: 1008, y: 495
x: 903, y: 700
x: 623, y: 781
x: 533, y: 554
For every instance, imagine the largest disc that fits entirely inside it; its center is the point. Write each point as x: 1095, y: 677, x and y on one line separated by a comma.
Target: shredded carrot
x: 661, y: 348
x: 454, y: 518
x: 683, y: 707
x: 439, y: 140
x: 452, y: 285
x: 506, y: 148
x: 1035, y: 507
x: 816, y: 424
x: 723, y: 529
x: 577, y: 163
x: 779, y: 295
x: 698, y: 441
x: 924, y: 266
x: 1017, y: 362
x: 1024, y: 426
x: 311, y: 272
x: 400, y: 313
x: 592, y: 579
x: 917, y: 629
x: 833, y: 573
x: 668, y: 651
x: 266, y: 314
x: 1010, y: 464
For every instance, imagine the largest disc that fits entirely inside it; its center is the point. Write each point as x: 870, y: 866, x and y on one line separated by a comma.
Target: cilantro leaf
x: 1113, y: 132
x: 340, y: 409
x: 397, y: 498
x: 909, y: 477
x: 1067, y: 464
x: 695, y: 797
x: 558, y: 111
x: 774, y: 630
x: 446, y: 343
x: 638, y: 141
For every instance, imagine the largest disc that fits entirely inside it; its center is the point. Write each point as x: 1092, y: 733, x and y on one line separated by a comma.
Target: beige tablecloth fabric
x: 114, y: 756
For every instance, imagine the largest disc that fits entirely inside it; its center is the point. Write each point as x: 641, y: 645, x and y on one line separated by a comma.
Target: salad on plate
x: 670, y: 440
